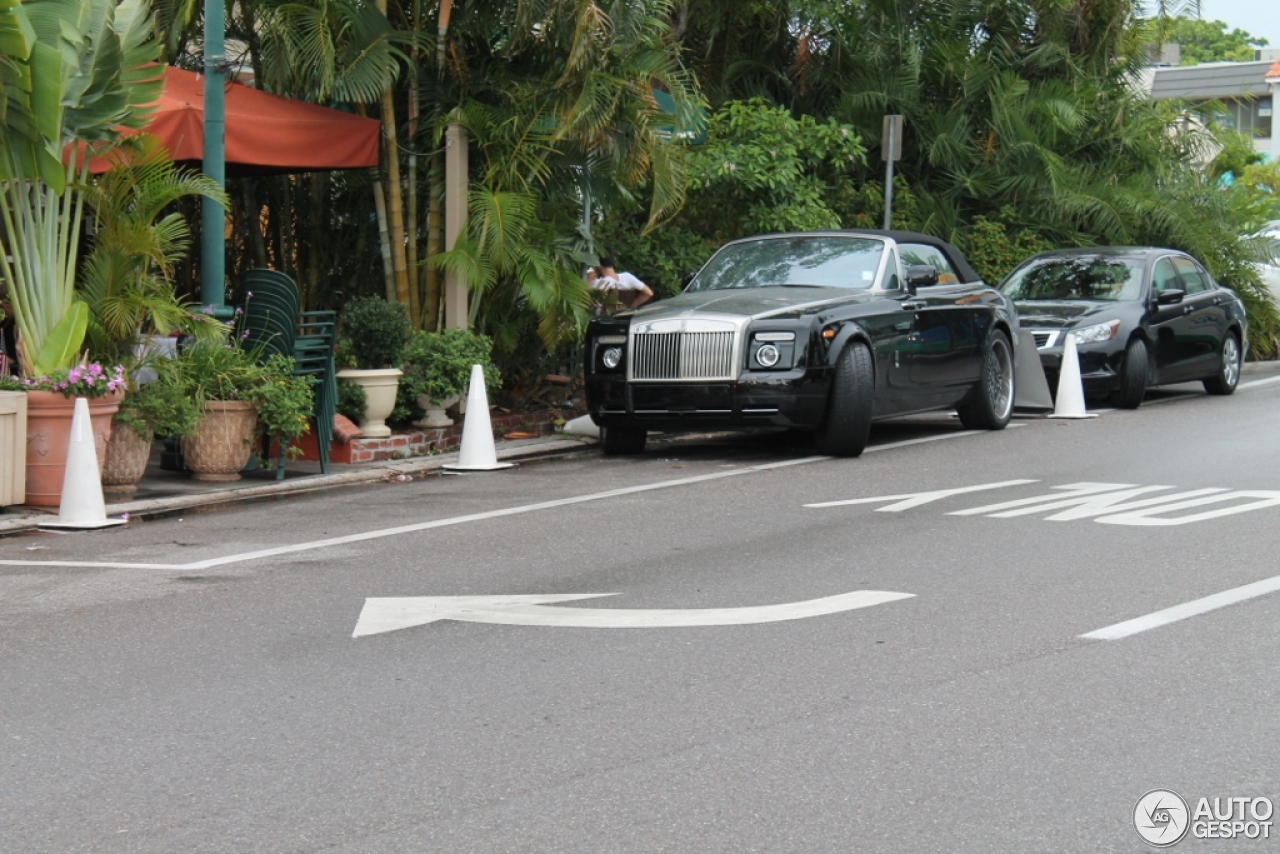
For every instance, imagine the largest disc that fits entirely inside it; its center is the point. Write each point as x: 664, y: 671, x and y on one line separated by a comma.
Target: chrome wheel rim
x: 1230, y: 361
x: 1000, y: 378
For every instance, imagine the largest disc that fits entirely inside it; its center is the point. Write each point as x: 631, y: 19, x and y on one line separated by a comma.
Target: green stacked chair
x: 271, y: 322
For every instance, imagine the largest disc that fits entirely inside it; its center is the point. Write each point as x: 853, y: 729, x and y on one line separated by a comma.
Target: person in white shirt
x: 617, y: 290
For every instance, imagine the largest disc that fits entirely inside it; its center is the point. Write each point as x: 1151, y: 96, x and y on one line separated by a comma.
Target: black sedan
x: 1140, y: 317
x: 820, y: 331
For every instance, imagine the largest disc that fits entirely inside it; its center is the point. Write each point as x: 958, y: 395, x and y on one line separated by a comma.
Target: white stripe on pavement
x: 1187, y: 609
x: 475, y: 517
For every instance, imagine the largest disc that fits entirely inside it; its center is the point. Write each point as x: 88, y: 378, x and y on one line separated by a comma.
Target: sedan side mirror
x: 1170, y: 297
x: 686, y: 279
x: 921, y: 276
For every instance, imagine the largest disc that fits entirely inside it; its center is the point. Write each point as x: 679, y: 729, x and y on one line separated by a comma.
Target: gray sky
x: 1259, y: 18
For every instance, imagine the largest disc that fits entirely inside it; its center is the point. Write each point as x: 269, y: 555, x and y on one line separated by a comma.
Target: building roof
x: 1273, y: 73
x: 1213, y: 80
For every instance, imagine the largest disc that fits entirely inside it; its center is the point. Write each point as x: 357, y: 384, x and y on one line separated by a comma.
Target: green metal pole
x: 213, y: 261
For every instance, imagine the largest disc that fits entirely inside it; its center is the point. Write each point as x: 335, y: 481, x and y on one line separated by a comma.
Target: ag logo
x: 1161, y: 817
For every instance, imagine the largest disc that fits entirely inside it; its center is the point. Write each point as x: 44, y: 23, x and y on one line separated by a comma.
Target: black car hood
x: 753, y: 302
x: 1060, y: 315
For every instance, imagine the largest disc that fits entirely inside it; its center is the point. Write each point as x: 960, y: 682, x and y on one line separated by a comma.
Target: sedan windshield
x: 829, y: 261
x: 1111, y: 279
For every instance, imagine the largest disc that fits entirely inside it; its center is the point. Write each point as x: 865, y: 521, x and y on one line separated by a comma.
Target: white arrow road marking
x: 402, y: 612
x: 909, y: 500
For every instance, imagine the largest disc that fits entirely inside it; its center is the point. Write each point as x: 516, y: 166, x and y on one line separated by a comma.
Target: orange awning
x: 265, y: 134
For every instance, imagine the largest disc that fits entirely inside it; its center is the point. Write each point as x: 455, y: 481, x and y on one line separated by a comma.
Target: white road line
x: 1256, y: 383
x: 477, y: 517
x: 1187, y: 609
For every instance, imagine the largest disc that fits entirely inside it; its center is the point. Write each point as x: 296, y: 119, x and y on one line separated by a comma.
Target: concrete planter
x: 127, y: 457
x: 223, y: 440
x: 380, y: 397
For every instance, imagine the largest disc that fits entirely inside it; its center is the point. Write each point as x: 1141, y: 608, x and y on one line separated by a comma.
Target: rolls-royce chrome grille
x: 683, y: 350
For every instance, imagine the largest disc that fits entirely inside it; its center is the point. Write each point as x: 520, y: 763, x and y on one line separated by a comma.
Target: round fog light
x: 768, y: 355
x: 612, y: 357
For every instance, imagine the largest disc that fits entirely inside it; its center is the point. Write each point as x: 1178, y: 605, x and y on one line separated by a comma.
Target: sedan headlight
x: 1097, y: 332
x: 612, y: 357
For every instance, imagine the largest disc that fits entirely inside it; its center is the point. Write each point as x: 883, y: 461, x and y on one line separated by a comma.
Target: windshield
x: 828, y: 261
x: 1111, y: 279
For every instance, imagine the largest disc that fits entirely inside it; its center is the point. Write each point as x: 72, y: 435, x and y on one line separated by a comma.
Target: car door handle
x: 914, y: 304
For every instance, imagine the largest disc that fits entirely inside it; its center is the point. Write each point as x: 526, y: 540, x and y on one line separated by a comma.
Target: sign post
x: 890, y: 150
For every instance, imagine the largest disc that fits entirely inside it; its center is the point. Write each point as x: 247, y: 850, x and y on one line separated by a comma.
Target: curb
x: 524, y: 450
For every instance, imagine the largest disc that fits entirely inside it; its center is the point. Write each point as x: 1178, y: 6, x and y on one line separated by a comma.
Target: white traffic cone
x: 82, y: 507
x: 478, y: 452
x: 1070, y: 400
x: 583, y: 425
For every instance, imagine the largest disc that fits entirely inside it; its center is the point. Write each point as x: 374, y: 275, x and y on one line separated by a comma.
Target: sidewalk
x: 162, y: 491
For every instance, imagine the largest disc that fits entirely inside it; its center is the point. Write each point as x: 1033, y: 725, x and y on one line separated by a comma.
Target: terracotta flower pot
x: 127, y: 458
x: 223, y: 440
x: 380, y: 397
x: 49, y: 435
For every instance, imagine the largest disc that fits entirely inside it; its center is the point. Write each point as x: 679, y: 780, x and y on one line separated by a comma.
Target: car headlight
x: 772, y: 350
x: 1097, y: 332
x: 610, y: 351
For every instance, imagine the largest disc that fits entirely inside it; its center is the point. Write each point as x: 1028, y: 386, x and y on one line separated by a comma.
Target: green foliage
x: 1206, y: 41
x: 126, y: 279
x: 352, y: 401
x: 438, y: 364
x: 761, y: 170
x: 993, y: 249
x: 73, y: 73
x: 374, y: 332
x: 161, y: 407
x: 204, y: 372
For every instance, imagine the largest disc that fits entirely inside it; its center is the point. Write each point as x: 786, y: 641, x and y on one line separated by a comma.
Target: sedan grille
x: 1045, y: 339
x: 682, y: 356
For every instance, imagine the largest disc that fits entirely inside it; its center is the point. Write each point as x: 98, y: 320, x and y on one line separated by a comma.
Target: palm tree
x: 73, y: 71
x: 138, y: 237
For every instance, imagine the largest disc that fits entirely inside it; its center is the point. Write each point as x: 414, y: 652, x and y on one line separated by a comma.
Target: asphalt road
x: 192, y: 683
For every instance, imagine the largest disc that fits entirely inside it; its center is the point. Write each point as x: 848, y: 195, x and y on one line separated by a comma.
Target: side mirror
x: 686, y: 279
x: 1170, y: 297
x: 921, y: 276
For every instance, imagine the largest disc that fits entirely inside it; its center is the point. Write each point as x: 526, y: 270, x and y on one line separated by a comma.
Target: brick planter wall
x: 436, y: 440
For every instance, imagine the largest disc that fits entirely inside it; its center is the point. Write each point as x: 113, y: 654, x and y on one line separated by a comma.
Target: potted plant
x: 74, y: 75
x: 374, y: 333
x: 156, y: 407
x: 437, y: 368
x: 49, y: 421
x: 233, y: 394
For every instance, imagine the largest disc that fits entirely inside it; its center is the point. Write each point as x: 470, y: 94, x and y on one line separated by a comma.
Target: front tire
x: 847, y: 426
x: 1228, y: 376
x: 992, y: 406
x: 622, y: 441
x: 1133, y: 376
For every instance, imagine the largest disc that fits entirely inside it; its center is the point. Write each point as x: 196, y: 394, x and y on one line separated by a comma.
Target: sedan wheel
x: 1133, y: 376
x: 992, y: 405
x: 1228, y: 376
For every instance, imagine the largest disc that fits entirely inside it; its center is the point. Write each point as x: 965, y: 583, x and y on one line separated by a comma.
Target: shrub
x: 438, y: 364
x: 374, y: 332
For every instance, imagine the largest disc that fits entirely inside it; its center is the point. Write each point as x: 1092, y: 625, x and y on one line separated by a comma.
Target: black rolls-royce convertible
x: 821, y: 331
